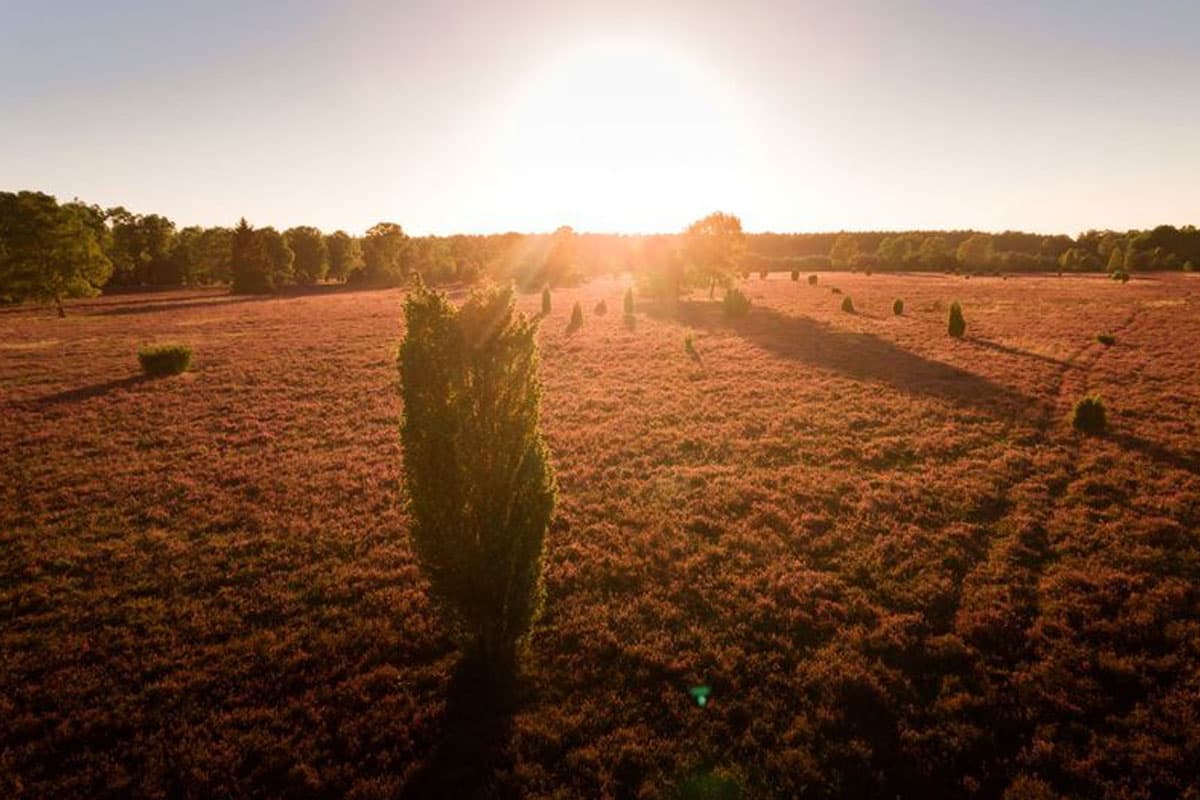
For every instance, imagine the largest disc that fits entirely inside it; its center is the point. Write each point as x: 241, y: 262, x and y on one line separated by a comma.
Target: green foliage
x: 164, y: 359
x: 976, y: 251
x: 252, y: 273
x: 847, y: 305
x: 1089, y: 415
x: 812, y: 280
x: 712, y: 247
x: 601, y: 308
x: 49, y: 252
x: 141, y: 249
x: 545, y: 300
x: 576, y: 318
x: 384, y: 249
x: 629, y: 307
x: 478, y: 479
x: 1106, y: 339
x: 898, y: 307
x: 957, y: 325
x: 311, y: 262
x: 735, y: 304
x: 344, y: 255
x: 843, y: 251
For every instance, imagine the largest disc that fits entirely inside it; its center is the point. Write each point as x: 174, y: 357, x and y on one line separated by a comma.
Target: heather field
x: 886, y: 551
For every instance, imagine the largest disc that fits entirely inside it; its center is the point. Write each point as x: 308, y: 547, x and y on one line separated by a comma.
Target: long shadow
x: 862, y: 356
x: 1156, y: 452
x: 88, y: 392
x: 474, y: 754
x: 1013, y: 351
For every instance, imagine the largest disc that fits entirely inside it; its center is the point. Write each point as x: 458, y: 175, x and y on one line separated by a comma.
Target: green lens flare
x: 700, y: 695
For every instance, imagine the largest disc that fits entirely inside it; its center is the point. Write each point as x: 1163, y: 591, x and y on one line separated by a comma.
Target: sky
x: 481, y: 116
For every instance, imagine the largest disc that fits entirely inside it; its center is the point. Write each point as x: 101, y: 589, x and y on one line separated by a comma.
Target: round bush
x: 812, y: 280
x: 601, y: 308
x: 847, y: 305
x: 164, y: 359
x: 898, y: 307
x: 1089, y: 415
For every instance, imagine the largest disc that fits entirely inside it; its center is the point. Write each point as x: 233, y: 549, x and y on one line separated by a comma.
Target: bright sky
x: 454, y: 116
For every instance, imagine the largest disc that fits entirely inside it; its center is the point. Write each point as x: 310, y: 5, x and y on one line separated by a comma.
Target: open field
x: 886, y: 551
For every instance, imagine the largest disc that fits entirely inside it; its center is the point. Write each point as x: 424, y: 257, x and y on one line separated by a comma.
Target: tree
x: 141, y: 249
x: 345, y: 255
x: 975, y: 251
x: 559, y: 266
x: 1116, y: 259
x: 49, y: 252
x: 480, y: 487
x: 843, y: 251
x: 894, y: 251
x: 934, y: 253
x: 252, y: 272
x: 383, y: 251
x: 712, y: 246
x: 311, y: 256
x: 280, y: 258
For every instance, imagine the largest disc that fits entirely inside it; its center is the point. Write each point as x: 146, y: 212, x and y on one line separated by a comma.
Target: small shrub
x: 898, y: 307
x: 164, y: 359
x: 576, y: 318
x: 1089, y: 415
x: 847, y: 305
x: 762, y: 275
x: 629, y: 302
x: 545, y: 301
x: 867, y: 272
x: 835, y: 290
x: 795, y: 274
x: 812, y: 280
x: 689, y: 347
x: 1187, y: 266
x: 958, y: 324
x: 1106, y: 339
x: 601, y: 308
x: 735, y: 304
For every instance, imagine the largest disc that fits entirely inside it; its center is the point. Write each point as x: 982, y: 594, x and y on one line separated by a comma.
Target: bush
x: 812, y: 280
x: 479, y: 484
x: 545, y: 300
x: 1106, y: 339
x: 735, y: 304
x: 762, y: 275
x: 957, y: 325
x: 1089, y: 415
x: 689, y: 347
x: 1187, y: 266
x: 795, y: 274
x: 835, y: 290
x: 898, y: 307
x: 601, y: 308
x: 847, y: 305
x: 576, y: 318
x: 164, y: 359
x: 629, y: 302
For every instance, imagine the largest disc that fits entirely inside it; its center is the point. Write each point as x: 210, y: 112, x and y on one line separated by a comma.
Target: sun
x: 622, y: 136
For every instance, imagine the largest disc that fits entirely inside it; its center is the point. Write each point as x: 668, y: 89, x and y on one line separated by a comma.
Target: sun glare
x: 622, y: 136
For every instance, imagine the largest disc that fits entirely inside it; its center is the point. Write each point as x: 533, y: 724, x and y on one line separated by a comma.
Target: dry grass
x: 887, y: 552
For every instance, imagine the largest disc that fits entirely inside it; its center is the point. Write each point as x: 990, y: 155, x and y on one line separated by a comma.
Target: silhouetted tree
x: 712, y: 246
x: 252, y: 272
x: 480, y: 487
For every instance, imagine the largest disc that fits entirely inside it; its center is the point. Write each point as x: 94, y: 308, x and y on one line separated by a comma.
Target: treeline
x: 50, y: 251
x: 1163, y: 248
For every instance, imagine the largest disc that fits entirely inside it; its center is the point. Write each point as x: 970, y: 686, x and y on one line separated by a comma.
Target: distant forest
x: 51, y: 250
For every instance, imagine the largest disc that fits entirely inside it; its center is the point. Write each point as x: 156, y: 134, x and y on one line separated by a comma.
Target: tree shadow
x: 1013, y: 351
x: 473, y: 759
x: 88, y: 392
x: 862, y: 356
x: 1156, y: 452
